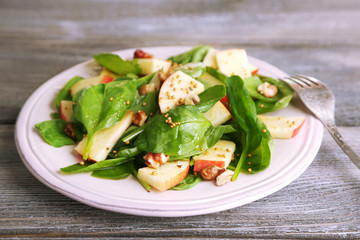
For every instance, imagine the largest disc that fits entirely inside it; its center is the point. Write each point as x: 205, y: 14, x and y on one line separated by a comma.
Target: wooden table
x: 41, y: 38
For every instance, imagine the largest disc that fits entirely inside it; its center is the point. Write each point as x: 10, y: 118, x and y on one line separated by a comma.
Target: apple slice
x: 150, y: 65
x: 176, y: 89
x: 219, y: 155
x: 107, y: 72
x: 218, y: 114
x: 210, y: 58
x: 166, y: 176
x: 253, y: 69
x: 282, y: 127
x: 233, y: 62
x: 66, y: 110
x: 85, y: 83
x: 210, y: 79
x: 104, y: 140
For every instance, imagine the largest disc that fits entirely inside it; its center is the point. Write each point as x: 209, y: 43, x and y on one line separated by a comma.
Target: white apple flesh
x: 283, y: 127
x: 233, y: 62
x: 176, y: 89
x: 85, y: 83
x: 210, y: 58
x: 166, y: 176
x: 150, y: 65
x: 66, y: 110
x: 219, y: 155
x: 104, y: 140
x: 218, y: 114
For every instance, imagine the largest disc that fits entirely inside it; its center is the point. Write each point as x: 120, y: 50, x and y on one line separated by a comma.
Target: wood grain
x: 41, y: 38
x: 323, y: 201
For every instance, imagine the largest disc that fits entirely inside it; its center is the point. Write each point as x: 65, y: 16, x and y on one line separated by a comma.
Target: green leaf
x: 144, y: 80
x: 121, y: 171
x: 253, y: 136
x: 210, y: 97
x: 147, y: 103
x: 160, y: 137
x: 64, y: 93
x: 189, y: 182
x: 194, y: 70
x: 264, y: 104
x: 116, y: 64
x: 196, y: 54
x: 102, y: 106
x: 216, y: 74
x: 52, y: 131
x: 89, y: 167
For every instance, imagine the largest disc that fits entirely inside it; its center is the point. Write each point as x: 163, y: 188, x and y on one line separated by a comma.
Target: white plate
x: 290, y: 159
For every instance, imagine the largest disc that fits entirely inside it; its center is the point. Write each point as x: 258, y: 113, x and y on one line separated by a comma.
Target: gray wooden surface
x: 39, y: 39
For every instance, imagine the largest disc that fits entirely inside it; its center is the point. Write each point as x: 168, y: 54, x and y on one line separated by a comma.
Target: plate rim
x: 153, y: 212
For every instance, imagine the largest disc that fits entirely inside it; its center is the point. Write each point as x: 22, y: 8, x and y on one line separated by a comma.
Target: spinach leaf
x: 89, y: 167
x: 210, y: 97
x: 144, y: 80
x: 160, y: 137
x: 252, y: 84
x: 125, y: 151
x: 253, y: 136
x: 264, y: 104
x: 55, y: 115
x: 121, y: 171
x: 64, y: 93
x: 116, y: 64
x: 102, y: 106
x: 211, y: 137
x: 216, y: 74
x: 147, y: 103
x: 196, y: 54
x: 189, y: 182
x: 52, y: 131
x: 194, y: 70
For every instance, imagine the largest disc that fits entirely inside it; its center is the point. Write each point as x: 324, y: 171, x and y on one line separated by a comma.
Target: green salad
x: 171, y: 123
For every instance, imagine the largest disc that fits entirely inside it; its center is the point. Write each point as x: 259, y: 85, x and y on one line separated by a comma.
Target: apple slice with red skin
x: 66, y: 110
x: 166, y: 176
x: 219, y: 155
x: 253, y: 69
x: 106, y: 79
x: 283, y: 127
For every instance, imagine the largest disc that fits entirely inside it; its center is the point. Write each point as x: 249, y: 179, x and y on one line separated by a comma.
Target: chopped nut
x: 224, y: 177
x: 163, y: 75
x: 192, y: 100
x: 154, y: 160
x: 69, y: 130
x: 211, y: 172
x: 145, y: 89
x: 141, y: 54
x: 139, y: 118
x: 267, y: 90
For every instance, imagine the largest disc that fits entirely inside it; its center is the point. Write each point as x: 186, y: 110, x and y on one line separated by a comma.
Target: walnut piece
x: 69, y: 130
x: 211, y: 172
x: 224, y: 177
x: 154, y: 160
x: 192, y: 100
x: 141, y: 54
x: 146, y: 88
x: 139, y: 118
x: 267, y: 90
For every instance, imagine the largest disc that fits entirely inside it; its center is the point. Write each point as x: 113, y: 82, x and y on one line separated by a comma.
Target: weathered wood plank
x: 314, y: 38
x: 322, y: 203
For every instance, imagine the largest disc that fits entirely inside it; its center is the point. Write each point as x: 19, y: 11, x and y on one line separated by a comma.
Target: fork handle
x: 331, y: 127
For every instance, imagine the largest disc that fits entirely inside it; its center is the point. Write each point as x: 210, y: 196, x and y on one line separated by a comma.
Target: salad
x: 171, y: 123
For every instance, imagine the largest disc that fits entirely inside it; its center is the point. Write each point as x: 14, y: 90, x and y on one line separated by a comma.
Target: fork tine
x: 294, y: 83
x: 305, y: 81
x: 312, y: 79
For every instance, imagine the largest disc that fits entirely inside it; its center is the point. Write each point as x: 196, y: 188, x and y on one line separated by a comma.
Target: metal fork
x: 319, y: 99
